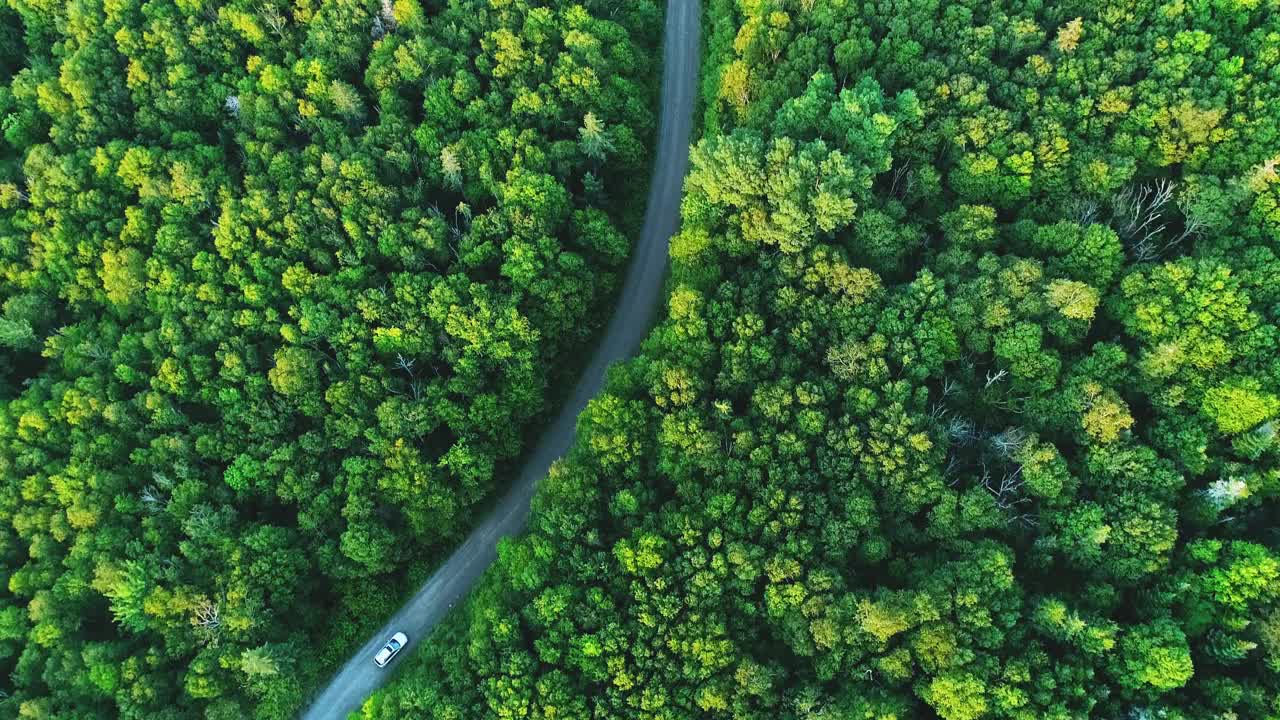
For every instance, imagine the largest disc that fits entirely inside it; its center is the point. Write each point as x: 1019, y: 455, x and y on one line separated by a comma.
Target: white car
x: 388, y: 651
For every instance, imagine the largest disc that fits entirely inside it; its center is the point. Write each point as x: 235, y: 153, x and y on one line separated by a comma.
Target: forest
x: 284, y: 284
x: 965, y: 401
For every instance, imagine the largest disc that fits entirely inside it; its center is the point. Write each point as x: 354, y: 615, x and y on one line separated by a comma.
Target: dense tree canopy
x: 282, y: 285
x: 965, y: 403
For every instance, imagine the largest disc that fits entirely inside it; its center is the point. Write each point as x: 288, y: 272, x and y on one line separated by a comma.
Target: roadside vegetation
x: 966, y: 400
x: 282, y: 287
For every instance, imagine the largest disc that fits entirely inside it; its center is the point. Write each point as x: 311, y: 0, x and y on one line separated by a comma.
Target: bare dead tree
x: 274, y: 19
x: 1005, y: 491
x: 1009, y: 402
x: 1137, y: 215
x: 985, y: 479
x: 405, y: 364
x: 206, y: 618
x: 1008, y: 497
x: 1009, y: 441
x: 1192, y: 227
x: 1085, y: 212
x: 961, y: 431
x: 993, y: 379
x: 1137, y: 208
x: 152, y: 499
x: 898, y: 174
x: 1225, y: 492
x: 1024, y: 519
x: 950, y: 472
x: 388, y: 15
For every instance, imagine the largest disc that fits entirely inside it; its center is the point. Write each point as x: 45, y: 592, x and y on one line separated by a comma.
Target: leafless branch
x: 274, y: 19
x: 1025, y: 519
x: 207, y: 619
x: 953, y: 464
x: 152, y: 499
x: 993, y: 379
x: 405, y: 364
x: 1011, y: 403
x: 961, y: 431
x: 1009, y: 441
x: 1138, y: 217
x: 937, y: 411
x: 902, y: 171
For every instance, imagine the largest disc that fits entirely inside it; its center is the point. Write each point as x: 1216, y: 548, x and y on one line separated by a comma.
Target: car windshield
x: 394, y: 645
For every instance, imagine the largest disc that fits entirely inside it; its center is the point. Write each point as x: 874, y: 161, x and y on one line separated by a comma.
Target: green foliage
x: 964, y: 405
x: 1154, y: 656
x: 283, y: 285
x: 956, y: 697
x: 1239, y: 407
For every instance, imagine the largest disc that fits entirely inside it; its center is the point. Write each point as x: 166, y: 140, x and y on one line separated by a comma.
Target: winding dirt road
x: 638, y: 302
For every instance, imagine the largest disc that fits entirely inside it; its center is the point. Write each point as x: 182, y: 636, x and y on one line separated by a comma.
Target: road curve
x: 637, y: 304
